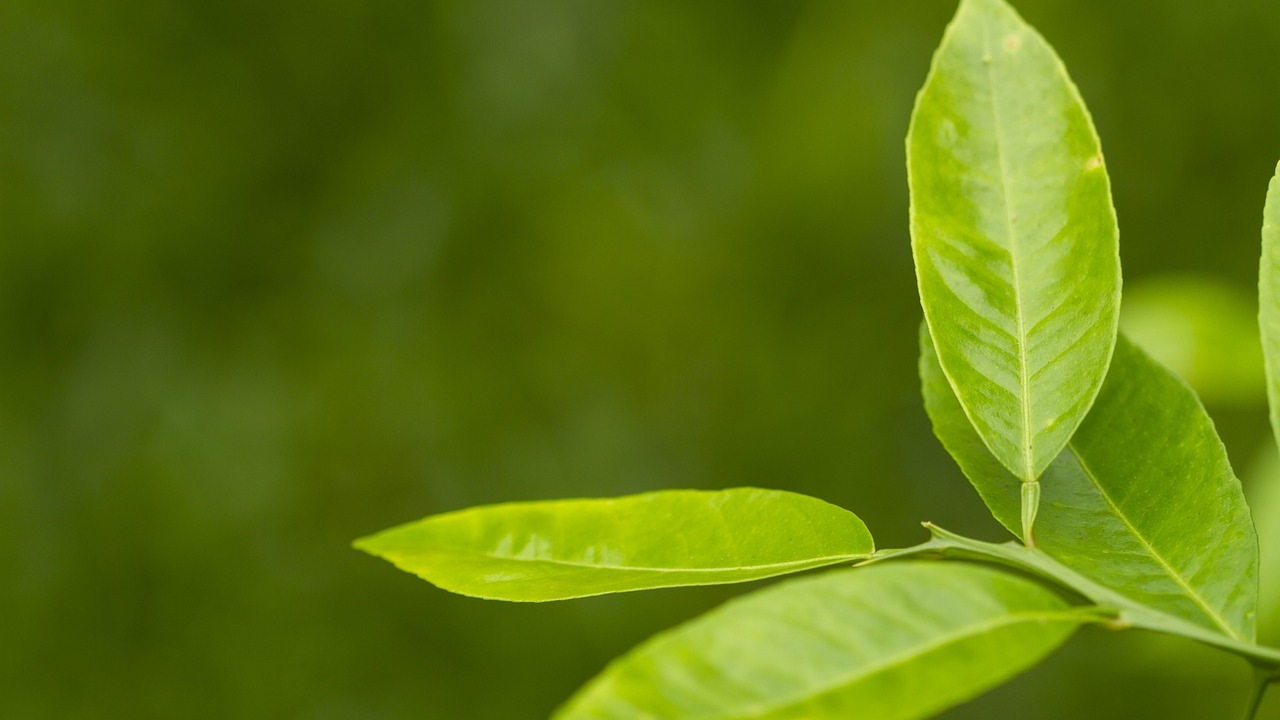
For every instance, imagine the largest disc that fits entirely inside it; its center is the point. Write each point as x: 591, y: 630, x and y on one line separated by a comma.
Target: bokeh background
x: 274, y: 275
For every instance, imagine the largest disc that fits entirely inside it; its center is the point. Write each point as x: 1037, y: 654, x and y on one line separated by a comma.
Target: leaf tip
x: 367, y: 544
x: 999, y: 6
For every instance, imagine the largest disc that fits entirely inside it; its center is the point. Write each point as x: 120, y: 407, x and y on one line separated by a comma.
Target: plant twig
x: 1126, y: 612
x: 1262, y: 679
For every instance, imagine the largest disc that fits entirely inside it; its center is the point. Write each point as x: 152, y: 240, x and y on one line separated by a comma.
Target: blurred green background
x: 274, y: 275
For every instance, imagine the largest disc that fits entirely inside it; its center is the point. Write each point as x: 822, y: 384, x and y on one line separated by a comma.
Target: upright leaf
x: 556, y: 550
x: 1268, y: 491
x: 1269, y: 297
x: 1014, y: 235
x: 902, y: 640
x: 1143, y: 499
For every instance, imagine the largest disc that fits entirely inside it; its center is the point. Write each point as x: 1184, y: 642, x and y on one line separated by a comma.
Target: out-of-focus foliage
x: 1264, y: 497
x: 279, y: 274
x: 1204, y: 329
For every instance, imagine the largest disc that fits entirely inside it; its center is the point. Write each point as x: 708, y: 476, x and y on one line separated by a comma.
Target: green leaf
x: 901, y: 641
x: 1269, y: 297
x: 1203, y: 329
x: 1118, y: 611
x: 1143, y: 499
x: 1014, y: 235
x: 1267, y: 491
x: 556, y: 550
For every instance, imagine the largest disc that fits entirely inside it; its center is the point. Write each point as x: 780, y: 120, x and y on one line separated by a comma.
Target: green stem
x: 1124, y: 612
x: 1262, y: 679
x: 1030, y: 506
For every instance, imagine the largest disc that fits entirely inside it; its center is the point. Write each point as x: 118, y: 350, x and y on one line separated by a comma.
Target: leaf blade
x: 1110, y: 510
x: 1013, y: 234
x: 556, y: 550
x: 1267, y: 493
x: 1269, y: 298
x: 903, y: 640
x: 1109, y: 605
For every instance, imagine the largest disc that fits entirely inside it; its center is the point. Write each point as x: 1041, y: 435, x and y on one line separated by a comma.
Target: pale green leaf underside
x: 556, y: 550
x: 1014, y: 235
x: 1269, y: 297
x: 889, y: 642
x: 1142, y: 500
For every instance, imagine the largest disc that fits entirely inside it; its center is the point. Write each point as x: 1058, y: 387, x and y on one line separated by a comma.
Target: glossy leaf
x: 903, y: 640
x: 555, y: 550
x: 1014, y: 235
x: 1269, y: 297
x: 1114, y: 608
x: 1142, y: 500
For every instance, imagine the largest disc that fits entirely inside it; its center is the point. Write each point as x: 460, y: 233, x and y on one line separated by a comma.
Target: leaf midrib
x: 1024, y: 380
x: 820, y: 560
x: 912, y: 654
x: 1196, y: 597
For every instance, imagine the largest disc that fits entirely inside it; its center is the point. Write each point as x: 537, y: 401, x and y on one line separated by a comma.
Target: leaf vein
x: 1195, y: 596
